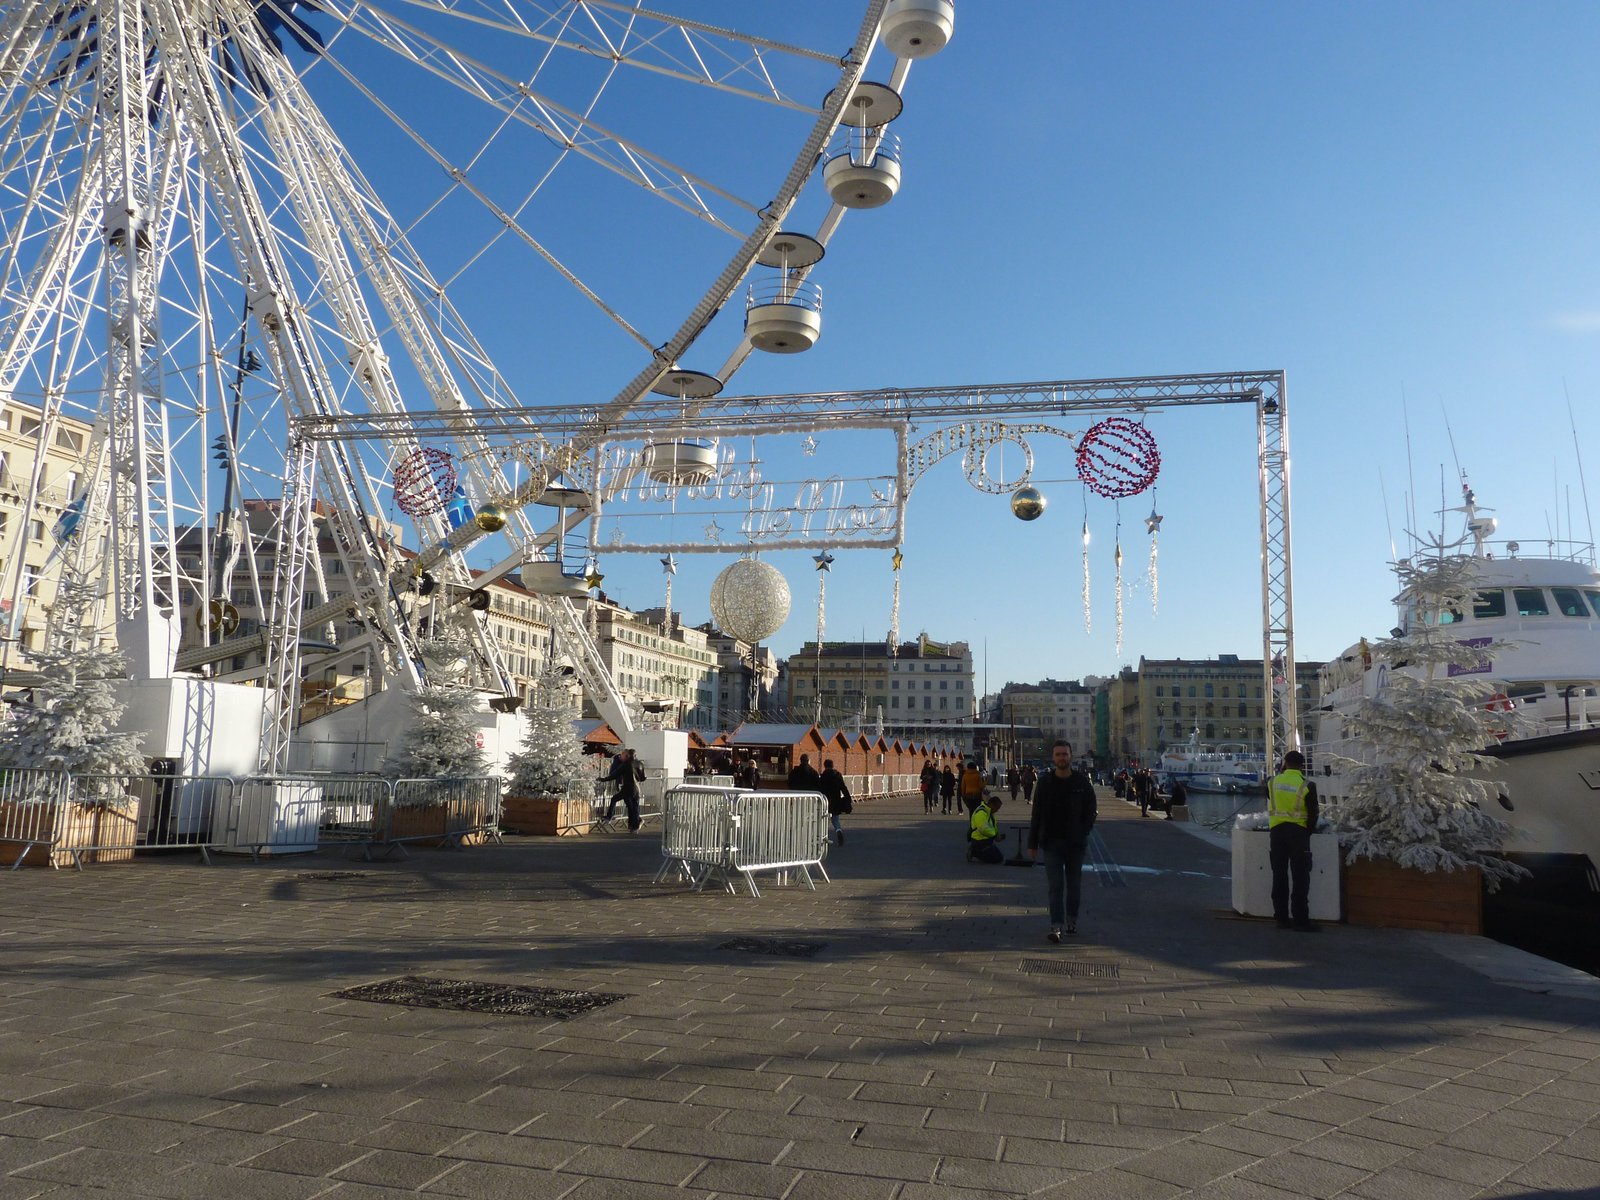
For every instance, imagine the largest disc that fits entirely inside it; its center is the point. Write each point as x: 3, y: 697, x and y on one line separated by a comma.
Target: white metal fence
x: 719, y: 832
x: 56, y: 818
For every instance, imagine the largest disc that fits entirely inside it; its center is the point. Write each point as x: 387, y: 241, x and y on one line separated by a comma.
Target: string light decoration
x: 424, y: 481
x: 1118, y: 458
x: 1117, y: 558
x: 824, y: 563
x: 1152, y: 526
x: 894, y: 608
x: 1088, y: 623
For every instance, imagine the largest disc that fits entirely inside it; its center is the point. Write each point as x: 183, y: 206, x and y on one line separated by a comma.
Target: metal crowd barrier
x: 33, y: 806
x: 53, y: 817
x: 719, y: 832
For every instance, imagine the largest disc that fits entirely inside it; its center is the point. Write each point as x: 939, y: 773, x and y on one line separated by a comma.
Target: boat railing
x: 1560, y: 549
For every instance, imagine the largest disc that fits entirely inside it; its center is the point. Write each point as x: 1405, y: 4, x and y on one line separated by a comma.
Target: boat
x: 1536, y: 619
x: 1230, y: 767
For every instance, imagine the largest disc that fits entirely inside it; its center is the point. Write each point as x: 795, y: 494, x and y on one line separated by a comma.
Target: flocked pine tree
x: 70, y: 725
x: 551, y: 757
x: 441, y: 739
x: 1414, y: 801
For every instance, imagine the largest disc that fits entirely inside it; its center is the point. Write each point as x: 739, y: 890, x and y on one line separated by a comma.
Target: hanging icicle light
x: 824, y: 563
x: 1087, y: 622
x: 1152, y: 525
x: 1118, y: 558
x: 894, y: 607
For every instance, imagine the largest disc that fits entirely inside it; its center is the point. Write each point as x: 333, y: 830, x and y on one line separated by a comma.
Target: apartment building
x: 1224, y: 698
x: 735, y: 675
x: 43, y: 468
x: 1037, y: 714
x: 657, y: 663
x: 924, y: 683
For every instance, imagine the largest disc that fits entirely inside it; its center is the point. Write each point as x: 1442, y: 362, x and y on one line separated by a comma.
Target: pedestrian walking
x: 1063, y: 816
x: 947, y: 787
x: 832, y: 785
x: 626, y: 774
x: 804, y: 777
x: 971, y: 786
x: 929, y: 783
x: 1013, y: 781
x: 1030, y: 779
x: 1292, y: 815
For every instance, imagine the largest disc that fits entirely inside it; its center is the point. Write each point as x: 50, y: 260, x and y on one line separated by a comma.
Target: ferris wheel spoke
x: 574, y: 130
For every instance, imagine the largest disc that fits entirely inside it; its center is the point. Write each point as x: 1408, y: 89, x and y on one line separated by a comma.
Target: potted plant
x: 63, y: 771
x: 440, y: 742
x: 1419, y: 840
x: 545, y: 772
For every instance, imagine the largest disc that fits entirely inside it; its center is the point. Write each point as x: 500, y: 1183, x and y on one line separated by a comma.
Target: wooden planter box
x: 420, y: 824
x: 547, y: 815
x: 67, y: 828
x: 1381, y: 894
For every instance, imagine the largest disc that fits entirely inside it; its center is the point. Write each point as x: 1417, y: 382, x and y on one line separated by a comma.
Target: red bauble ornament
x: 424, y: 481
x: 1118, y: 458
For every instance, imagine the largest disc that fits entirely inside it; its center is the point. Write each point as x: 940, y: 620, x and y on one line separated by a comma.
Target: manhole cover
x: 785, y: 949
x: 1070, y: 966
x: 330, y: 876
x: 419, y: 991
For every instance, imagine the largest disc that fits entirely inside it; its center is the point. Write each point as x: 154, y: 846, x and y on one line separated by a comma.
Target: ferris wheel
x: 217, y: 217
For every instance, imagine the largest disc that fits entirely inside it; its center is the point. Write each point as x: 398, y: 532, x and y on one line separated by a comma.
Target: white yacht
x: 1223, y: 767
x: 1537, y: 617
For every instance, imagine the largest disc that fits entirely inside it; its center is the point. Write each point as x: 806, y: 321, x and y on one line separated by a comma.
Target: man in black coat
x: 626, y: 774
x: 832, y: 785
x: 1064, y: 810
x: 804, y: 777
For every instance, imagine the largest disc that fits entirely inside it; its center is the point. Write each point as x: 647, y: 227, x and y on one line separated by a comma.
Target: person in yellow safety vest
x: 1292, y: 815
x: 983, y: 836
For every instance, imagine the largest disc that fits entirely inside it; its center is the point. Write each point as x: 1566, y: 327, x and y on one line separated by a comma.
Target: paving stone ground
x: 169, y: 1030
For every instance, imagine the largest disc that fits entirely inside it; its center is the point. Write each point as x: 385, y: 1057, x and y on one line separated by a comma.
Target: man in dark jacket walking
x: 626, y: 774
x: 804, y: 777
x: 832, y: 785
x: 1063, y: 814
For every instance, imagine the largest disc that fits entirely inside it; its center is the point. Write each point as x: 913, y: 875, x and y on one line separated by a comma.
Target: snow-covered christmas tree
x: 70, y: 725
x: 551, y: 757
x: 1414, y: 801
x: 441, y: 740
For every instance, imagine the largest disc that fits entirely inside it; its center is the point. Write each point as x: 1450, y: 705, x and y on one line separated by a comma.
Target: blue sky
x: 1392, y: 202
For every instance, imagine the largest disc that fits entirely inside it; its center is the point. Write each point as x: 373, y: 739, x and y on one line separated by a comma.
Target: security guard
x: 1292, y: 812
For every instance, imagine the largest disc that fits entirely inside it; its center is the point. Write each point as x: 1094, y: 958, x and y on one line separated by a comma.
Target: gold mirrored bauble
x: 491, y: 518
x: 1027, y: 504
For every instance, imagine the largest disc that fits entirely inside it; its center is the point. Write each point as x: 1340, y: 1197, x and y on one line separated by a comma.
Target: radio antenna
x: 1583, y: 486
x: 1387, y: 523
x: 1411, y: 473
